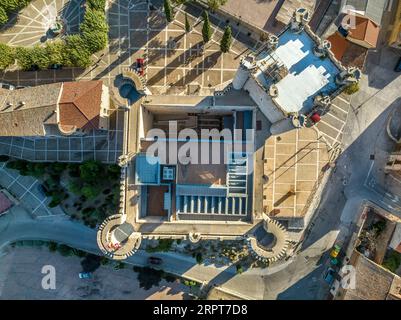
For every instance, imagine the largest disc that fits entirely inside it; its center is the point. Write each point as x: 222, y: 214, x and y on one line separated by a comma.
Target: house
x: 371, y: 9
x: 350, y: 44
x: 55, y: 109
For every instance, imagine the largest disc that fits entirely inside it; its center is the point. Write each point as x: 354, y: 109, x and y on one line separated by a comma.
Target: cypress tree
x: 206, y: 31
x: 168, y: 10
x: 227, y: 40
x: 187, y: 25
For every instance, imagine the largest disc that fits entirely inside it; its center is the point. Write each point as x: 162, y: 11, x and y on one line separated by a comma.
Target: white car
x: 7, y: 86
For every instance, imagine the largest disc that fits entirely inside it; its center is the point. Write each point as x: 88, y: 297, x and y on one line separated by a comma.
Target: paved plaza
x: 104, y: 146
x: 26, y: 190
x: 30, y: 26
x: 294, y: 162
x: 175, y: 58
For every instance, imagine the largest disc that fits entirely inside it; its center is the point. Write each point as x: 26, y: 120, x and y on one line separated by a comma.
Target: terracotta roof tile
x: 365, y: 30
x: 80, y: 104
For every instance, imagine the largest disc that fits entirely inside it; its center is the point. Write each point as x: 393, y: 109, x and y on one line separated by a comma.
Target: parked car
x: 398, y: 66
x: 329, y: 276
x: 7, y: 86
x: 335, y: 251
x: 85, y: 275
x: 155, y: 260
x: 139, y: 66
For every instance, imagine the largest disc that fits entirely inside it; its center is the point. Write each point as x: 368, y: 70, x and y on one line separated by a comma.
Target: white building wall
x: 264, y: 101
x: 241, y: 76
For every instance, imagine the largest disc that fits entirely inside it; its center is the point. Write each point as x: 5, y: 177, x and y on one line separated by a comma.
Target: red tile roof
x: 79, y: 105
x: 365, y: 30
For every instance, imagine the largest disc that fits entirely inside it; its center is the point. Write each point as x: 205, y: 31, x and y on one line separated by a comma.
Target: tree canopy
x: 7, y: 56
x: 227, y: 40
x: 206, y: 31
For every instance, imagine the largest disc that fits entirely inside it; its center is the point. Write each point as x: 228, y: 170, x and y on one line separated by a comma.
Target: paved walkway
x: 26, y: 190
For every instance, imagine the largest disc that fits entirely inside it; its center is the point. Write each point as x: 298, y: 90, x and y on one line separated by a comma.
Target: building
x: 367, y: 251
x: 218, y: 187
x: 395, y: 36
x: 371, y: 9
x: 292, y: 75
x: 173, y: 187
x: 350, y: 44
x: 55, y: 109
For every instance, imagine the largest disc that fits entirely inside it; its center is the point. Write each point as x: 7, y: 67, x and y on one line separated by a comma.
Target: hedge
x: 9, y: 6
x: 7, y: 56
x: 73, y: 51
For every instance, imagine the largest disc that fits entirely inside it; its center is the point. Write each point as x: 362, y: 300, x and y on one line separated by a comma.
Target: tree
x: 97, y: 4
x: 64, y: 250
x: 168, y: 11
x: 3, y: 16
x: 352, y: 88
x: 76, y: 52
x: 75, y: 187
x: 215, y: 4
x: 7, y: 55
x: 227, y: 40
x: 187, y: 24
x: 90, y: 192
x: 24, y: 58
x: 90, y: 171
x: 55, y: 52
x: 94, y: 30
x: 206, y: 31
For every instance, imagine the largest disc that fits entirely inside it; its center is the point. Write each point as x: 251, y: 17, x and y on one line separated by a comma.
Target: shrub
x: 75, y: 187
x: 4, y: 158
x: 90, y: 192
x: 352, y: 88
x: 163, y: 246
x: 52, y: 246
x: 64, y: 250
x: 199, y: 258
x: 7, y: 54
x: 90, y: 171
x: 393, y: 261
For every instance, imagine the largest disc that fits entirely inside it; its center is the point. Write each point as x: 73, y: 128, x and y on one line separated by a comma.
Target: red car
x: 139, y: 66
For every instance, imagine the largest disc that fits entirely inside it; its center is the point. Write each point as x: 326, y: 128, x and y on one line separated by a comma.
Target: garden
x: 73, y: 50
x: 208, y: 252
x: 81, y: 190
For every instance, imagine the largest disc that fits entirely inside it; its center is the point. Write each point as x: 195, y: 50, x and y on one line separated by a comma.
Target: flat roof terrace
x: 293, y: 163
x: 308, y: 75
